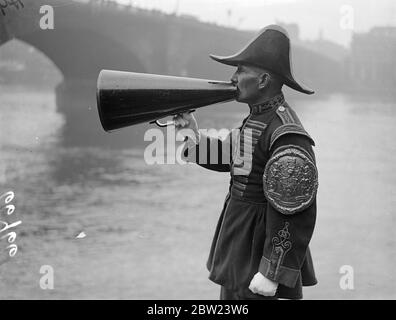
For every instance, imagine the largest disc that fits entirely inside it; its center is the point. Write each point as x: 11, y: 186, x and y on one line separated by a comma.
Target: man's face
x: 247, y: 79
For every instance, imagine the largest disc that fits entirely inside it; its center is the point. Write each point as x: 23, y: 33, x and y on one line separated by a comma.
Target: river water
x: 148, y: 228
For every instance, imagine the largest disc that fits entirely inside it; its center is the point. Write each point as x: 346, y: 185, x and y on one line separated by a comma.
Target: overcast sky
x: 311, y: 15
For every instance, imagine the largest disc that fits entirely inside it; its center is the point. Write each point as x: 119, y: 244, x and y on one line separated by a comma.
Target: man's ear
x: 264, y: 80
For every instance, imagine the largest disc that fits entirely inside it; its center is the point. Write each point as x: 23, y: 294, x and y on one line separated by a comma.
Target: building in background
x: 371, y: 63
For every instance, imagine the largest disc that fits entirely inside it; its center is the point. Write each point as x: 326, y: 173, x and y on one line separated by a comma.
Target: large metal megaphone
x: 128, y: 98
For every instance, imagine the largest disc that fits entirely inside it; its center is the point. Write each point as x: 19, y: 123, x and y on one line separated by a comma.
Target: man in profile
x: 260, y: 247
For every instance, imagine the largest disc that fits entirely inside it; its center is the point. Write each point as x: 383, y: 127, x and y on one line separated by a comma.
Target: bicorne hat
x: 270, y: 50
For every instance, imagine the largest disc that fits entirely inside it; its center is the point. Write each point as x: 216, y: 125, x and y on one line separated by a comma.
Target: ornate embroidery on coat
x: 280, y: 246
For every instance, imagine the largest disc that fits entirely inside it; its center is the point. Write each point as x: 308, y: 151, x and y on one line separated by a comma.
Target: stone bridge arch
x: 89, y: 53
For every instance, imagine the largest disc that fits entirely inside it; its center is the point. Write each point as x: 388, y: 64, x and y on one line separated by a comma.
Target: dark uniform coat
x: 269, y: 212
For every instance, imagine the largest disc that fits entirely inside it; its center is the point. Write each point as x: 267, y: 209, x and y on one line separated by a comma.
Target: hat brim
x: 296, y: 86
x: 289, y: 81
x: 229, y: 60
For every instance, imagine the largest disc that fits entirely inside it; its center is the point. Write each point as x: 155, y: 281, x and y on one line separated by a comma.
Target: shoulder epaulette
x: 290, y: 125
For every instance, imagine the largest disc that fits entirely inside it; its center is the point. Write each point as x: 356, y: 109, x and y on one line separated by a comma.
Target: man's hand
x: 186, y: 121
x: 262, y: 285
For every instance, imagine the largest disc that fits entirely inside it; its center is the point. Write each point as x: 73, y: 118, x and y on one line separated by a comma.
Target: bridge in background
x: 93, y: 35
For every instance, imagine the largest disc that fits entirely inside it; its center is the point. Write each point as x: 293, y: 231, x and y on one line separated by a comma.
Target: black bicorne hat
x: 270, y: 50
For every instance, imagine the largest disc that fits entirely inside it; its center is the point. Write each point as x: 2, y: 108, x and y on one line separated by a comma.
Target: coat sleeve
x: 210, y: 152
x: 290, y: 184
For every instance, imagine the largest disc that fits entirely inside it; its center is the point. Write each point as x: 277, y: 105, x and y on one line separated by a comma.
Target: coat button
x: 281, y: 108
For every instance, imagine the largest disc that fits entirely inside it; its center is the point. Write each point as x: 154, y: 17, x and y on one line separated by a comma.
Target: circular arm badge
x: 290, y: 180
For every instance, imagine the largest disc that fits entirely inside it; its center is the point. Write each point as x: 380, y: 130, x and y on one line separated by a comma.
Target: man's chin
x: 238, y: 97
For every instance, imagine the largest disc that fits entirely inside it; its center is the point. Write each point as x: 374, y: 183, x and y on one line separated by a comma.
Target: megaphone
x: 129, y: 98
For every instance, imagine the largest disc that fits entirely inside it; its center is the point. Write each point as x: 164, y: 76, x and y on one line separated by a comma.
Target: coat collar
x: 274, y: 102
